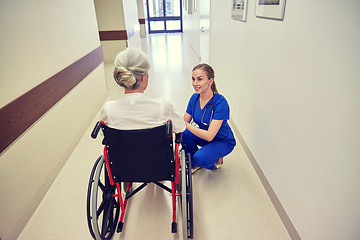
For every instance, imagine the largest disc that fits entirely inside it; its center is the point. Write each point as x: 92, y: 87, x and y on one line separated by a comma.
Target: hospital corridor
x: 229, y: 203
x: 287, y: 79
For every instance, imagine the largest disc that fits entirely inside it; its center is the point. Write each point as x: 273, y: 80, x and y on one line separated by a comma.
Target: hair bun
x: 130, y: 64
x: 124, y: 77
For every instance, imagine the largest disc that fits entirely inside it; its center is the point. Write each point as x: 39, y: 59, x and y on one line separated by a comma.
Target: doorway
x: 164, y: 16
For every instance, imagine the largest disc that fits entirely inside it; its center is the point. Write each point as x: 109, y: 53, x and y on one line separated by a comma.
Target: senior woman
x: 135, y: 110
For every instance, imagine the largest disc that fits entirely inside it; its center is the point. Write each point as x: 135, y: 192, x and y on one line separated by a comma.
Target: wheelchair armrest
x: 97, y: 127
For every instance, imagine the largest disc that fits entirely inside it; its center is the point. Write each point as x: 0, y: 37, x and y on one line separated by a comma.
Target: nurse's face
x: 201, y: 82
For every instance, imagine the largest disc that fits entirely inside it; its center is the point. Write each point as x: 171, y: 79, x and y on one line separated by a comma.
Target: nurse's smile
x: 200, y: 81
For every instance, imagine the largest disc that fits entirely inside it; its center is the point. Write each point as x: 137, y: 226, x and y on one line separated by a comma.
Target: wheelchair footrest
x: 174, y: 227
x: 120, y: 227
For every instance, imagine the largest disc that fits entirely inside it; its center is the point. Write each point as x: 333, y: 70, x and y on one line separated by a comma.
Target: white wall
x: 110, y: 17
x: 204, y: 10
x: 116, y: 15
x: 141, y: 9
x: 294, y: 92
x: 131, y: 16
x: 39, y: 39
x: 196, y: 27
x: 191, y: 29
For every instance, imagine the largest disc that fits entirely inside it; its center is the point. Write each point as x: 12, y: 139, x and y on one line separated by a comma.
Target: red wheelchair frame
x: 113, y: 201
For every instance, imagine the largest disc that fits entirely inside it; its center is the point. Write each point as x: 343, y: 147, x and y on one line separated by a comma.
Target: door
x: 164, y: 16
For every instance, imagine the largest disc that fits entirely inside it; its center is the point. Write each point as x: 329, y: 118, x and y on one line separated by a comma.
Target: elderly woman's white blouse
x: 137, y: 111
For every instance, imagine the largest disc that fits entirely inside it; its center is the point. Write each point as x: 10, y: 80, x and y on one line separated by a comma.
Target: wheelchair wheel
x: 190, y: 198
x: 88, y: 200
x: 105, y: 208
x: 186, y: 197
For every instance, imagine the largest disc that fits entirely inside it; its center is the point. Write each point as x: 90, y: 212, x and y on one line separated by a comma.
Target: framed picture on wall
x: 273, y: 9
x: 239, y: 10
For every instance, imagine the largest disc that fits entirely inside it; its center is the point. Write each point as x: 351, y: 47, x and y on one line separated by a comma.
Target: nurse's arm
x: 207, y: 135
x: 187, y: 117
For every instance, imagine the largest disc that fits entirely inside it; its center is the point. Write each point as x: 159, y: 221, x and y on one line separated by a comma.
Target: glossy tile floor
x: 229, y: 203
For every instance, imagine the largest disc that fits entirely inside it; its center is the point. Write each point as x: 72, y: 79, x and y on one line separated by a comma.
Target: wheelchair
x: 137, y: 156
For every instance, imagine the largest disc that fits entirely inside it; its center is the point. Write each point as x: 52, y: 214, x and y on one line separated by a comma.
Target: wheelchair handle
x: 96, y: 129
x: 178, y: 137
x: 169, y: 129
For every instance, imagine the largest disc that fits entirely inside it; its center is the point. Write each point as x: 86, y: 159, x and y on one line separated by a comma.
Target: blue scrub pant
x: 208, y: 154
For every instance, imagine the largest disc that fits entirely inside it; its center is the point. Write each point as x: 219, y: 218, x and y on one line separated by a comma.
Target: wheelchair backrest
x: 140, y: 155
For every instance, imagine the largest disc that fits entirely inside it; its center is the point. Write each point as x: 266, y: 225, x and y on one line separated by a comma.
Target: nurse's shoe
x: 219, y: 163
x: 194, y: 169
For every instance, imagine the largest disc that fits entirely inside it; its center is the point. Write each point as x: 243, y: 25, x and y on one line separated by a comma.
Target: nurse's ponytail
x: 213, y: 87
x: 209, y: 72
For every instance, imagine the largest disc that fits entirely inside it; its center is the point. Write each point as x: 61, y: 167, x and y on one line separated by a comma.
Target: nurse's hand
x: 207, y: 135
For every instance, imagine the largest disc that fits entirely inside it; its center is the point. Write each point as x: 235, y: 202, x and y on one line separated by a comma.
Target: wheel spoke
x: 102, y: 186
x: 114, y: 203
x: 100, y: 209
x: 105, y: 220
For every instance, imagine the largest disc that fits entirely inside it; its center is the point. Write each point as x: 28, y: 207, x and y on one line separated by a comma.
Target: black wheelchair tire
x: 189, y: 191
x: 88, y: 199
x: 183, y: 195
x: 108, y: 205
x: 186, y: 197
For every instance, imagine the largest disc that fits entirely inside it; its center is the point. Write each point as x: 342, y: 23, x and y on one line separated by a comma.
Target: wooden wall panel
x: 17, y: 116
x: 113, y: 35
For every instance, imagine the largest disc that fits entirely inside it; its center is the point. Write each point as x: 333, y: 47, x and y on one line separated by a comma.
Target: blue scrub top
x: 219, y: 109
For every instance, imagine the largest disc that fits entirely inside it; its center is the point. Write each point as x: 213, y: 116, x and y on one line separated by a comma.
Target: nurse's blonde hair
x: 130, y: 64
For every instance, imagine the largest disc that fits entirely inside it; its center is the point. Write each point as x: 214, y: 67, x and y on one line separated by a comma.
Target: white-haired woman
x: 135, y: 110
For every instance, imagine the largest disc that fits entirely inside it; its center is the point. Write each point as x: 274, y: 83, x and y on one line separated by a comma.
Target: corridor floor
x: 229, y: 203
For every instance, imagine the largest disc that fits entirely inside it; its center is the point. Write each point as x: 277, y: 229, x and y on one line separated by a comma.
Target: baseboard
x: 290, y: 228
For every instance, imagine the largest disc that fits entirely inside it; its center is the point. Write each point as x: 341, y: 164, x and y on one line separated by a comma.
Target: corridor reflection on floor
x: 229, y: 203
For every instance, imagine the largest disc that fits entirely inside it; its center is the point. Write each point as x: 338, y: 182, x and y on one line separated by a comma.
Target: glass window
x: 157, y: 26
x: 156, y: 8
x: 172, y: 8
x: 173, y: 25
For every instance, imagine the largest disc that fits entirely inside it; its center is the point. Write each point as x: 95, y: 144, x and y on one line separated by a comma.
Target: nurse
x: 208, y: 136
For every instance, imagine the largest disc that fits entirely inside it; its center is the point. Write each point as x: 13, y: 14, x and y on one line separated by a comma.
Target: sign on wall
x: 239, y: 10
